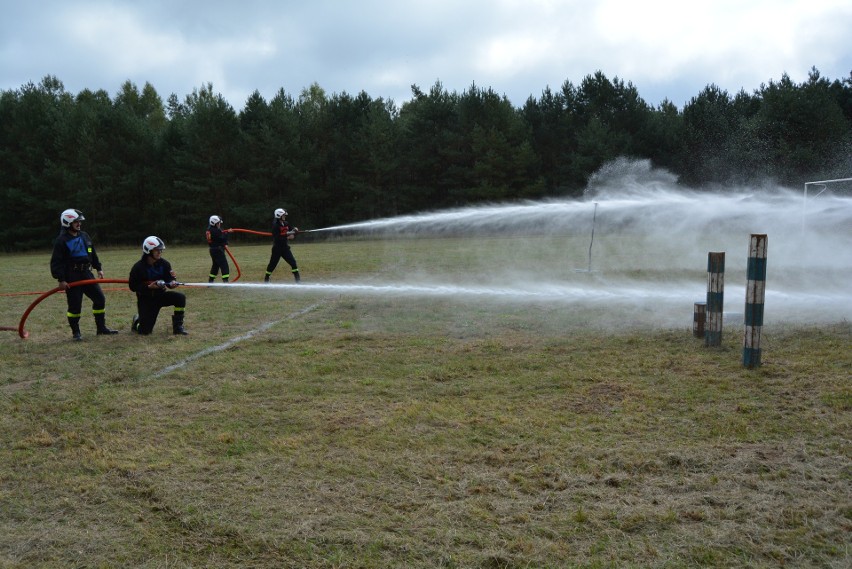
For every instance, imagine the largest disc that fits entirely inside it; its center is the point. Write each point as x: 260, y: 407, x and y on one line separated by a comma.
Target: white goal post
x: 822, y: 185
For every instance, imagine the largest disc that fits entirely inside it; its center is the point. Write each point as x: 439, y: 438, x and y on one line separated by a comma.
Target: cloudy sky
x: 667, y: 48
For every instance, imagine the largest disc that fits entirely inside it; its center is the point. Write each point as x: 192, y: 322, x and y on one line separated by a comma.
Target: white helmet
x: 152, y: 242
x: 69, y: 216
x: 280, y: 212
x: 214, y: 219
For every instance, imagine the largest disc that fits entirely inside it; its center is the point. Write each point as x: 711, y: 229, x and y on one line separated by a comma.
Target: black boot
x: 177, y: 325
x: 100, y: 321
x: 266, y: 278
x: 210, y: 279
x: 296, y: 275
x: 134, y: 325
x: 74, y: 322
x: 225, y: 279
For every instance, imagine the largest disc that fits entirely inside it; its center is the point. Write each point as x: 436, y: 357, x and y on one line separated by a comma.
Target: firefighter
x: 217, y: 239
x: 282, y: 232
x: 72, y: 260
x: 152, y: 279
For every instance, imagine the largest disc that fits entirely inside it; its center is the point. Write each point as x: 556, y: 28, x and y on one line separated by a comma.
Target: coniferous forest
x: 138, y: 165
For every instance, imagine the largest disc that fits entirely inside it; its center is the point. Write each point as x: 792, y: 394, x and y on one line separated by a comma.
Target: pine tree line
x: 137, y: 166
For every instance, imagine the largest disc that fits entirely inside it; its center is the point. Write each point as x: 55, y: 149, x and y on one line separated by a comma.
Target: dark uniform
x: 218, y: 239
x: 149, y: 301
x: 281, y: 232
x: 72, y: 260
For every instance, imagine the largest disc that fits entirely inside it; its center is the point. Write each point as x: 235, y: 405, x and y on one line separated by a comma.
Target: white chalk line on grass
x: 225, y: 345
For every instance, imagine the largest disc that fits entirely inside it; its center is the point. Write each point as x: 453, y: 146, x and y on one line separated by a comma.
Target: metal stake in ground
x: 591, y: 242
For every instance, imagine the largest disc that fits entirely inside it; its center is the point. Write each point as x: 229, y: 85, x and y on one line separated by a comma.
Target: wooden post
x: 715, y: 298
x: 755, y: 295
x: 699, y: 318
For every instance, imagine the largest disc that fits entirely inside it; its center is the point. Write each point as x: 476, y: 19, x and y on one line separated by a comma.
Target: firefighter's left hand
x: 100, y: 274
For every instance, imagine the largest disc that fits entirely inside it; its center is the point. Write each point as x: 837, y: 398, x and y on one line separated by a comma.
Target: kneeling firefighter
x: 152, y: 279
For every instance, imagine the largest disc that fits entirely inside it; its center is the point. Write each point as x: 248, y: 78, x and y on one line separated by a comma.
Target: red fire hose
x: 264, y: 233
x: 237, y: 265
x: 228, y: 251
x: 23, y: 333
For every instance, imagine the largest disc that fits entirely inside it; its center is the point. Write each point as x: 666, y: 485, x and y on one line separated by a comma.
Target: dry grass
x: 377, y: 432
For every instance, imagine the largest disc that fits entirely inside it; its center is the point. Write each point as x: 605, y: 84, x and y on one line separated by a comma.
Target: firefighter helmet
x: 151, y: 243
x: 69, y: 216
x: 215, y: 219
x: 280, y: 212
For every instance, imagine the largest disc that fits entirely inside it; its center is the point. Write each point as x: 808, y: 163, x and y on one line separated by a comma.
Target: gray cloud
x: 668, y: 49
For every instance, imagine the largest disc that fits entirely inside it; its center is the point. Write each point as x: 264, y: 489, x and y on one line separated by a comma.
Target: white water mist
x: 649, y: 252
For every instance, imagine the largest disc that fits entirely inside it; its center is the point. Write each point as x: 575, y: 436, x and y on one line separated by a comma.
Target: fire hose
x: 267, y: 233
x: 252, y: 232
x: 231, y: 255
x: 237, y: 265
x: 23, y: 333
x: 263, y: 233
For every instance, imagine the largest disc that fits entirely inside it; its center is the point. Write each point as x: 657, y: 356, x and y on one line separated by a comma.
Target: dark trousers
x: 281, y: 252
x: 74, y: 296
x: 149, y: 308
x: 220, y: 262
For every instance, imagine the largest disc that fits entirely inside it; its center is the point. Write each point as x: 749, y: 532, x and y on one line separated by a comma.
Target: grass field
x: 318, y: 429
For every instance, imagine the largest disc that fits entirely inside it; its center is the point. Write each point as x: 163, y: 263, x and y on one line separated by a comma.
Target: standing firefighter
x: 72, y: 260
x: 282, y: 232
x: 218, y: 240
x: 151, y: 278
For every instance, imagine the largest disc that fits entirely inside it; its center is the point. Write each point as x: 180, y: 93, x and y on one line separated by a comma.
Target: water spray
x: 628, y: 293
x: 673, y: 226
x: 539, y: 292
